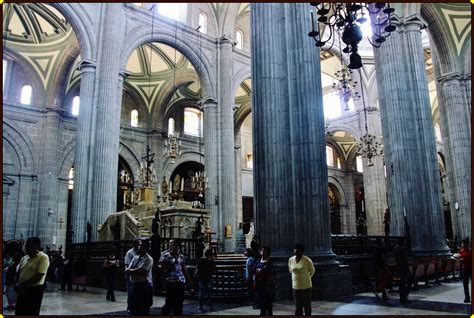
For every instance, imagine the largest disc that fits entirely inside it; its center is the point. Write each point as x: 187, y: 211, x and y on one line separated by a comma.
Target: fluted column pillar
x: 290, y: 172
x: 227, y: 161
x: 48, y: 213
x: 410, y: 150
x: 454, y: 107
x: 238, y: 179
x: 209, y: 106
x: 374, y: 181
x: 82, y: 163
x: 108, y: 110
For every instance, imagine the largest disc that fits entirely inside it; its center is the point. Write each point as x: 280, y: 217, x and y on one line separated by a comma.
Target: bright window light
x: 192, y: 122
x: 438, y: 132
x: 134, y: 118
x: 239, y: 38
x: 175, y: 11
x: 366, y: 27
x: 359, y: 164
x: 75, y: 105
x: 332, y: 105
x: 170, y: 126
x: 250, y: 161
x: 26, y: 94
x: 203, y: 22
x: 329, y: 156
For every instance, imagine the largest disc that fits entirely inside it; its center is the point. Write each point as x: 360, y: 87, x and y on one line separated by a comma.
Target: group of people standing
x: 260, y: 276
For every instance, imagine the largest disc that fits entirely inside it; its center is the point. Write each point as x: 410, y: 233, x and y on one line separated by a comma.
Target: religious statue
x: 361, y: 226
x: 89, y: 231
x: 164, y: 187
x: 136, y: 196
x: 198, y: 235
x: 198, y: 226
x: 128, y: 198
x: 386, y: 222
x: 176, y: 183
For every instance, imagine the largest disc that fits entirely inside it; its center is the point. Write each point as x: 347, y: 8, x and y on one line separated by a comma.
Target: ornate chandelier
x: 368, y: 146
x: 200, y: 182
x: 346, y: 19
x: 345, y: 86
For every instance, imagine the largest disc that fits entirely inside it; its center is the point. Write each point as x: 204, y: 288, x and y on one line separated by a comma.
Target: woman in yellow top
x: 302, y: 269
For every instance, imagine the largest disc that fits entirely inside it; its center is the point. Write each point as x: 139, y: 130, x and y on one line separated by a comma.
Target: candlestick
x: 312, y: 20
x: 182, y: 185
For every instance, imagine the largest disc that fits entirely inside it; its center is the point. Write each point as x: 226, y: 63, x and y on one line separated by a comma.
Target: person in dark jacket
x: 205, y: 269
x: 265, y: 285
x: 80, y: 273
x: 111, y: 263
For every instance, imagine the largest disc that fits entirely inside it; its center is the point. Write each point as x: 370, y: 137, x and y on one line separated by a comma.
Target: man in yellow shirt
x: 302, y: 269
x: 30, y: 278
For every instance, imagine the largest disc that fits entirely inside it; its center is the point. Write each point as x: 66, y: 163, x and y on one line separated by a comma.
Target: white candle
x: 182, y: 185
x: 171, y: 185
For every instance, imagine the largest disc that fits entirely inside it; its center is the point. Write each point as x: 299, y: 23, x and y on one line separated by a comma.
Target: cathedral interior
x: 121, y: 116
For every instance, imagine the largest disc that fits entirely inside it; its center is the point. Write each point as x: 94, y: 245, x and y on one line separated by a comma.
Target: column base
x: 329, y: 282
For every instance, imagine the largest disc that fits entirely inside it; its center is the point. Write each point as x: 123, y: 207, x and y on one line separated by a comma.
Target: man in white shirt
x: 131, y: 253
x: 141, y: 296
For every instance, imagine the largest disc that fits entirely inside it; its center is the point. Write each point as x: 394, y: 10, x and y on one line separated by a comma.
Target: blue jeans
x: 205, y: 289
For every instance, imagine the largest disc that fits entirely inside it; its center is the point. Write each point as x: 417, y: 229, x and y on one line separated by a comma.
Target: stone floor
x: 446, y: 299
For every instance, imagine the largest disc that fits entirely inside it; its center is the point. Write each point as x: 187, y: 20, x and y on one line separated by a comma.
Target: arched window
x: 192, y: 122
x: 75, y: 105
x: 250, y: 161
x: 330, y: 156
x: 170, y: 126
x: 438, y: 132
x: 203, y: 22
x: 26, y: 94
x: 5, y: 64
x: 359, y: 164
x: 239, y: 38
x: 175, y: 11
x: 70, y: 185
x: 332, y: 105
x: 134, y: 118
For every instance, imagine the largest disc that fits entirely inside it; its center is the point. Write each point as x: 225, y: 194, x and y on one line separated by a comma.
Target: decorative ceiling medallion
x: 148, y: 91
x: 346, y: 147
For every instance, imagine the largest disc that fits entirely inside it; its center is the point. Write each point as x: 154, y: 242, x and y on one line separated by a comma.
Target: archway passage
x: 187, y: 171
x: 335, y: 209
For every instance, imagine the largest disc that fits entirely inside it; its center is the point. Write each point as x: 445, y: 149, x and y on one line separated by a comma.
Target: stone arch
x: 140, y: 35
x: 336, y: 184
x: 229, y: 19
x: 22, y: 145
x: 241, y: 114
x: 168, y: 167
x: 130, y: 157
x: 36, y: 83
x: 440, y: 39
x: 242, y: 75
x: 78, y: 16
x: 67, y: 160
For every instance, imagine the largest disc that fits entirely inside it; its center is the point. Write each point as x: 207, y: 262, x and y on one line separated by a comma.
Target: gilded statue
x: 176, y: 183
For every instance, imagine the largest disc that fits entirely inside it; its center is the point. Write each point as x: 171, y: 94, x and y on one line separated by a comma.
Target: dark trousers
x: 128, y: 284
x: 466, y: 275
x: 174, y: 300
x: 66, y: 279
x: 205, y: 291
x: 141, y: 298
x: 29, y: 301
x: 302, y: 300
x: 110, y: 279
x: 265, y: 298
x: 405, y: 283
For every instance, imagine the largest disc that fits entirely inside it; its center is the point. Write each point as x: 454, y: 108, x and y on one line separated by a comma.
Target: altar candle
x: 171, y: 185
x: 182, y: 185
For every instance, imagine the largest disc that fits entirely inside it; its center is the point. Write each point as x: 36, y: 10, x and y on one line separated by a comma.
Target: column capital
x: 86, y: 66
x: 208, y: 102
x: 226, y: 40
x: 123, y: 74
x: 411, y: 23
x: 449, y: 78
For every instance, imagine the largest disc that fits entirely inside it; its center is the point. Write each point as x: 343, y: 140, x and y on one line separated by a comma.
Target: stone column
x: 48, y: 180
x: 211, y: 165
x: 374, y: 181
x: 106, y: 139
x: 227, y: 161
x: 82, y: 156
x: 410, y: 150
x: 454, y: 107
x: 290, y: 173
